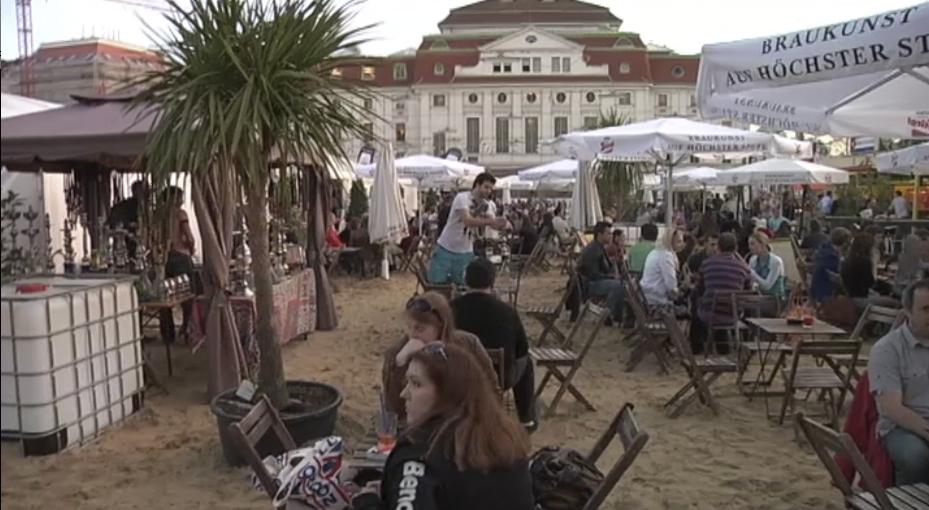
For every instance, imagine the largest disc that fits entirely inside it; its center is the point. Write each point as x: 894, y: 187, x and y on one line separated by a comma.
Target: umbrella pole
x: 915, y: 197
x: 704, y: 199
x: 669, y: 194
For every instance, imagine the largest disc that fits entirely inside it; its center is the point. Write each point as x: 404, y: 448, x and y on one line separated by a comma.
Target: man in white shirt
x: 560, y: 226
x: 825, y: 204
x: 470, y: 211
x: 900, y: 207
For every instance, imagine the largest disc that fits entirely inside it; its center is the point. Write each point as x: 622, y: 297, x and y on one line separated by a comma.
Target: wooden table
x: 776, y: 329
x: 906, y: 497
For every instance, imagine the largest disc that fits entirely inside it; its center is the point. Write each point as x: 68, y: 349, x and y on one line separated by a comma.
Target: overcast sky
x: 682, y: 25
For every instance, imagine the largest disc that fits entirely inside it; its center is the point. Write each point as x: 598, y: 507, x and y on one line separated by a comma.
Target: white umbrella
x: 781, y: 171
x: 864, y: 77
x: 909, y: 161
x: 700, y: 176
x: 666, y: 140
x: 561, y: 169
x: 387, y: 221
x: 585, y: 200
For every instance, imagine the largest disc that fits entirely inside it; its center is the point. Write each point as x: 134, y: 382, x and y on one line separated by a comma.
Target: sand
x: 168, y: 456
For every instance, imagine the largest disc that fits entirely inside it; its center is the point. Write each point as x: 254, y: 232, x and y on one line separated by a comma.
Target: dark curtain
x: 215, y: 199
x: 318, y: 195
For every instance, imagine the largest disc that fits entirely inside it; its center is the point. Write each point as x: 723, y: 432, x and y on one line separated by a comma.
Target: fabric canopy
x: 387, y: 222
x: 864, y: 77
x: 516, y: 183
x: 561, y: 169
x: 585, y: 200
x: 422, y: 166
x: 695, y: 176
x: 781, y: 171
x: 909, y: 161
x: 12, y: 105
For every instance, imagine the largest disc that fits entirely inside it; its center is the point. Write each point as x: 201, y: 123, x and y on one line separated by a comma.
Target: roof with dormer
x: 517, y: 12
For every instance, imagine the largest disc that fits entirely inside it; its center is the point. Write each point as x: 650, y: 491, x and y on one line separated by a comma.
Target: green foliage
x: 358, y: 200
x: 617, y: 181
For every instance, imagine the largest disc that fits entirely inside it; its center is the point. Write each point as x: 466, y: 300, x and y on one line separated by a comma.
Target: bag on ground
x: 562, y: 478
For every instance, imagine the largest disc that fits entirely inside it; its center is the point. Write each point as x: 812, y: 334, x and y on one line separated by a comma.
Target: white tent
x: 781, y: 171
x: 387, y: 221
x: 666, y: 141
x: 695, y: 176
x: 864, y: 77
x: 561, y: 169
x: 909, y: 161
x: 585, y: 200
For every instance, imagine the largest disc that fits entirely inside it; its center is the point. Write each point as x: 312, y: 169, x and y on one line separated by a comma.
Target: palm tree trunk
x: 271, y: 370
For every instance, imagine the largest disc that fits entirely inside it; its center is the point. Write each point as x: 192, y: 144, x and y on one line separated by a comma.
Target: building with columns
x: 501, y: 76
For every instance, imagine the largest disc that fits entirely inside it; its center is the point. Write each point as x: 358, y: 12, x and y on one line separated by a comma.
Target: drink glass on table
x: 386, y: 431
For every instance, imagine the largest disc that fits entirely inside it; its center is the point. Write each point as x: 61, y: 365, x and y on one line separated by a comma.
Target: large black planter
x: 315, y: 421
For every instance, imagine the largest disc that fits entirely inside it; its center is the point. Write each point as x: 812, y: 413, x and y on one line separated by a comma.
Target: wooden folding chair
x: 246, y: 434
x: 548, y: 316
x: 701, y: 372
x: 819, y: 379
x: 723, y: 303
x: 536, y: 262
x: 650, y: 335
x: 754, y: 305
x: 827, y: 443
x: 419, y: 270
x: 625, y: 427
x: 409, y: 255
x: 553, y: 360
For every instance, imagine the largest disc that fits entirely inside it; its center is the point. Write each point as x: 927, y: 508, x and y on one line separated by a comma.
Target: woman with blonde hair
x: 659, y: 276
x: 462, y: 450
x: 767, y: 267
x: 429, y: 319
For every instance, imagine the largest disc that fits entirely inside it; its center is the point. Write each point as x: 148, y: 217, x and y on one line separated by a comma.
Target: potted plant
x: 244, y: 86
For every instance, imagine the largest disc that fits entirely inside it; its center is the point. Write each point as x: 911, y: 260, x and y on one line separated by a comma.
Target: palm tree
x: 618, y: 181
x: 247, y: 84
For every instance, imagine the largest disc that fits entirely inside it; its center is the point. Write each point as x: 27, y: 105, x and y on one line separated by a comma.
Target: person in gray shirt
x: 898, y: 370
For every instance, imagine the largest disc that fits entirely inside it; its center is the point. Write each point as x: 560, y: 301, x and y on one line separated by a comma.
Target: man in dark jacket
x: 826, y: 259
x: 599, y: 273
x: 498, y: 326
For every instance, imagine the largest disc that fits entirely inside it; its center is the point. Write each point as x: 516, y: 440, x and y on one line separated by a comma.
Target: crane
x: 24, y: 31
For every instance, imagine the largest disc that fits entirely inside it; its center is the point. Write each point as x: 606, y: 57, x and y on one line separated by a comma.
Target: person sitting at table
x: 498, y: 326
x: 814, y: 238
x: 648, y: 234
x: 767, y: 268
x: 461, y: 451
x: 181, y: 248
x: 913, y: 257
x: 599, y: 274
x: 560, y: 226
x: 616, y: 249
x: 721, y: 271
x: 659, y: 276
x: 429, y: 319
x: 826, y: 260
x: 858, y: 273
x: 898, y: 370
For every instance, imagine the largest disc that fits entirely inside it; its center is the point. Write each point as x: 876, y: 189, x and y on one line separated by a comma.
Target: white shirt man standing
x: 470, y: 210
x: 900, y: 207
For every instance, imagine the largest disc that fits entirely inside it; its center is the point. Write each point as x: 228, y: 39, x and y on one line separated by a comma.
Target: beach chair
x: 827, y: 443
x: 823, y: 380
x: 554, y: 360
x: 246, y: 434
x: 650, y: 336
x: 548, y: 316
x: 701, y: 372
x: 422, y: 284
x: 723, y: 303
x: 624, y: 427
x: 409, y: 255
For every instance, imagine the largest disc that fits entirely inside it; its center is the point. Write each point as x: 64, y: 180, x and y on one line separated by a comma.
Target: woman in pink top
x: 180, y: 260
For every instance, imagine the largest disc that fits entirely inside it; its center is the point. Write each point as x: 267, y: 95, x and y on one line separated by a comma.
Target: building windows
x: 399, y: 107
x: 438, y: 100
x: 662, y: 100
x: 367, y: 73
x: 503, y: 67
x: 677, y: 72
x: 566, y: 64
x: 438, y: 143
x: 591, y: 122
x: 507, y: 68
x: 590, y: 97
x: 561, y: 97
x: 368, y: 128
x: 473, y: 135
x: 527, y: 65
x: 368, y: 103
x: 400, y: 132
x: 561, y: 125
x: 501, y: 98
x: 531, y: 39
x: 537, y: 64
x: 438, y: 69
x: 532, y: 135
x: 624, y: 98
x: 531, y: 97
x: 399, y: 71
x: 693, y: 101
x: 624, y: 68
x: 503, y: 135
x: 472, y: 98
x: 498, y: 67
x: 439, y: 44
x: 556, y: 64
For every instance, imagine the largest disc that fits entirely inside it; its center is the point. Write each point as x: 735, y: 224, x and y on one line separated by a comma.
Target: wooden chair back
x: 419, y: 270
x: 246, y: 433
x: 717, y: 303
x: 821, y: 349
x: 569, y: 289
x: 754, y: 304
x: 636, y: 300
x: 681, y: 344
x: 827, y: 443
x: 892, y: 317
x: 598, y: 316
x: 633, y: 439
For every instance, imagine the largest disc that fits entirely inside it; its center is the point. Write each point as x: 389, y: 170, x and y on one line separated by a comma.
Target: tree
x: 247, y: 84
x: 357, y: 200
x: 618, y: 181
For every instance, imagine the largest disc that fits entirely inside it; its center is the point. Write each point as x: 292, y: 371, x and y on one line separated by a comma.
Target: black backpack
x: 562, y: 479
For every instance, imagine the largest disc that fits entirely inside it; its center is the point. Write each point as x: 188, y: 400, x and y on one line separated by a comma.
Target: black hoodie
x: 414, y: 481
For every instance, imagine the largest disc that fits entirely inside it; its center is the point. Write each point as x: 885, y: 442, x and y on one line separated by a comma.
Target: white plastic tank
x: 70, y: 359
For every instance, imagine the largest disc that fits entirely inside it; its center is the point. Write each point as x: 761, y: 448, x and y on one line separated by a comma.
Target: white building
x: 503, y: 75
